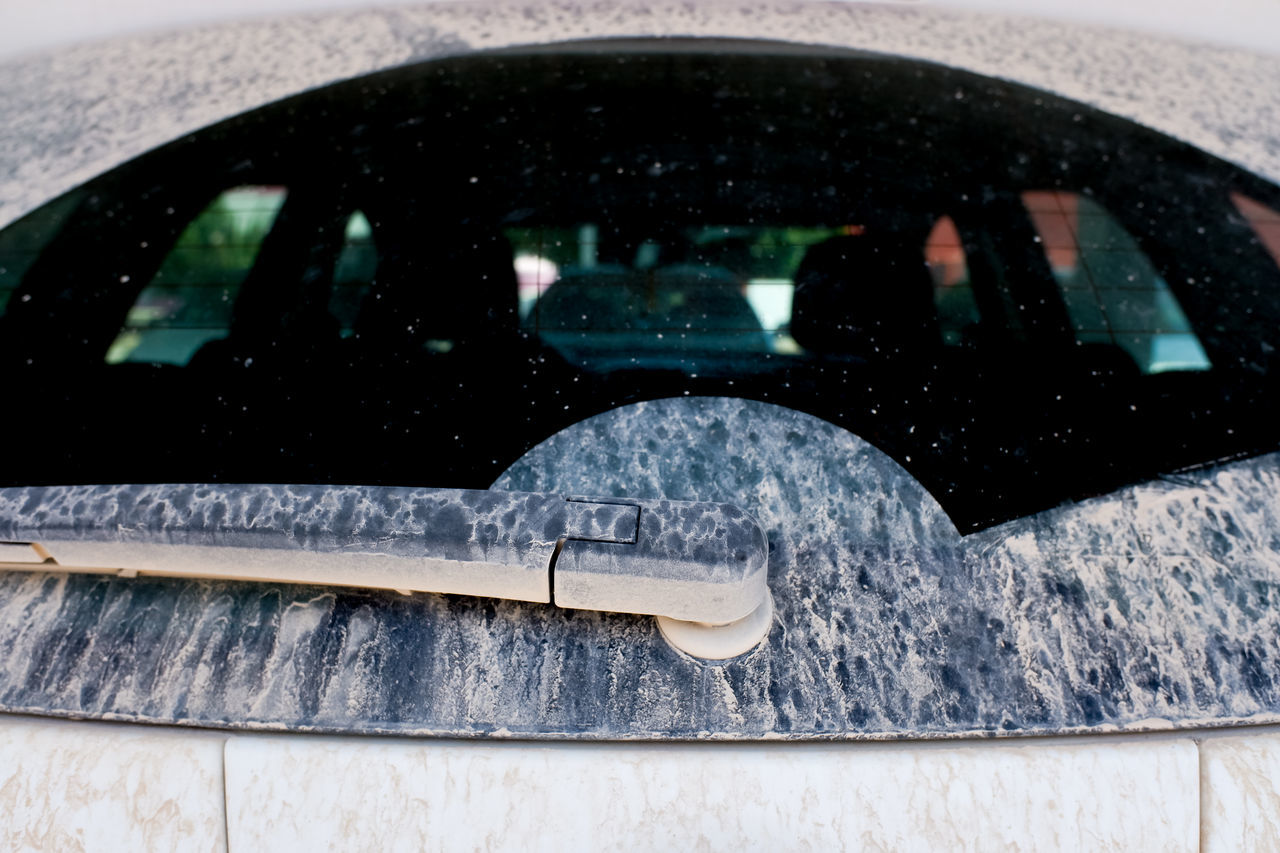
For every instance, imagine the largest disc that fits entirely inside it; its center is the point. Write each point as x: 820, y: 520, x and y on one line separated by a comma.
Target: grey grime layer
x: 70, y: 114
x: 1151, y: 607
x: 693, y: 561
x: 304, y: 518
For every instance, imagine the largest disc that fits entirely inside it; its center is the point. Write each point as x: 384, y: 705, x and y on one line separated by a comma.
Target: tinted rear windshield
x: 415, y: 277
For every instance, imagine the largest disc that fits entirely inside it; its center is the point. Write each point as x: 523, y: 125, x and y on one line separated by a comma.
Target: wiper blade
x: 692, y: 562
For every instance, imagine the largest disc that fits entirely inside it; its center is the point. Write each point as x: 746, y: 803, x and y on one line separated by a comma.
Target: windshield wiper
x: 700, y: 567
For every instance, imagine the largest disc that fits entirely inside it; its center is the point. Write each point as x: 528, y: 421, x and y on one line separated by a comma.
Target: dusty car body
x: 1116, y: 587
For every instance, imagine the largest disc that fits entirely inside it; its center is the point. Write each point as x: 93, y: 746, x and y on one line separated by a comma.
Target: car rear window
x: 415, y: 278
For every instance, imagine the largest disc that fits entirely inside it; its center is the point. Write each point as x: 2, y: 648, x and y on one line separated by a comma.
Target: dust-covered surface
x: 688, y: 560
x: 1150, y: 608
x: 74, y: 113
x: 450, y: 524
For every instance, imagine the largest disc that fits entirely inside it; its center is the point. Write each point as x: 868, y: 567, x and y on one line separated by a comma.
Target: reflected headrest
x: 456, y: 286
x: 867, y: 295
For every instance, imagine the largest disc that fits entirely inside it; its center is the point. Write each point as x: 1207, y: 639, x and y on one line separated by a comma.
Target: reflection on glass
x: 584, y: 288
x: 22, y: 243
x: 953, y: 294
x: 1264, y: 221
x: 1112, y: 292
x: 189, y: 300
x: 353, y: 273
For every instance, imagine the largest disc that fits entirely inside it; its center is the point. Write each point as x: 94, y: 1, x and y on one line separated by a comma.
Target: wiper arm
x: 700, y: 567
